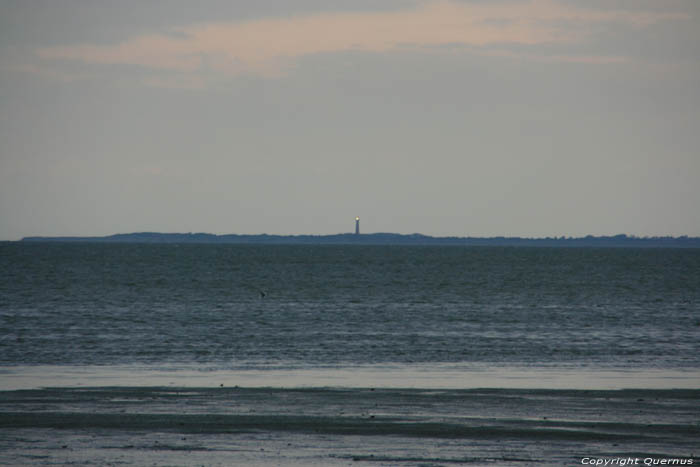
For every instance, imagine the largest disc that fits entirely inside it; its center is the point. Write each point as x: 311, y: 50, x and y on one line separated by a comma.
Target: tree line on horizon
x: 380, y: 238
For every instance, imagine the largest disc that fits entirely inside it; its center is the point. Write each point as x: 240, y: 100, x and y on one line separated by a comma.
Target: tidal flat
x: 343, y: 426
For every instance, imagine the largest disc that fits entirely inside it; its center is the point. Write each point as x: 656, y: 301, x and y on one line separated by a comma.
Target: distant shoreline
x: 620, y: 240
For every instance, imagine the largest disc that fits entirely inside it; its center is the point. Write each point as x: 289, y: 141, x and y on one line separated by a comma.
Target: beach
x: 344, y: 426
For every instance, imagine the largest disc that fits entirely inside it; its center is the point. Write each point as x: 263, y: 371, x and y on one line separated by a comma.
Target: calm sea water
x: 241, y: 306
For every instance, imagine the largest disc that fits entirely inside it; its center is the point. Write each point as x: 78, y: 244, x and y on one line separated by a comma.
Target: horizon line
x: 349, y: 236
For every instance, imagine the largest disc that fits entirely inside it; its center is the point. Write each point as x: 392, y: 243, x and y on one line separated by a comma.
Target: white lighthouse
x: 357, y: 226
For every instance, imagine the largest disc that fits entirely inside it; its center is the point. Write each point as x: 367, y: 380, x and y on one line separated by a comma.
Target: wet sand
x: 343, y: 426
x: 420, y: 376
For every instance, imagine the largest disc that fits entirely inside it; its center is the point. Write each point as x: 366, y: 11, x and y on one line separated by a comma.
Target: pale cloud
x: 176, y: 81
x: 269, y: 46
x: 35, y: 69
x: 550, y: 58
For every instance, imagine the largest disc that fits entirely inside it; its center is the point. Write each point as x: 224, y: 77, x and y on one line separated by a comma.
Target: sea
x: 236, y: 354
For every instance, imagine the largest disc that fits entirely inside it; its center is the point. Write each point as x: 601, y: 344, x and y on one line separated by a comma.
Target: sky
x: 527, y: 118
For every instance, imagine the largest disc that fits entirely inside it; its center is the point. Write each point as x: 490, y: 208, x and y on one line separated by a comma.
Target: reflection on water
x: 433, y: 376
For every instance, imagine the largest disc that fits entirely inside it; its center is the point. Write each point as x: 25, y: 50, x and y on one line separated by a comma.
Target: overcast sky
x: 467, y: 118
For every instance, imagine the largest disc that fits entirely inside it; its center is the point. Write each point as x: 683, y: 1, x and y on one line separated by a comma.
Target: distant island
x: 620, y: 240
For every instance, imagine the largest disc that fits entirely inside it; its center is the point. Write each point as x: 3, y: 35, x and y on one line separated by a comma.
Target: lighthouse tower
x: 357, y: 226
